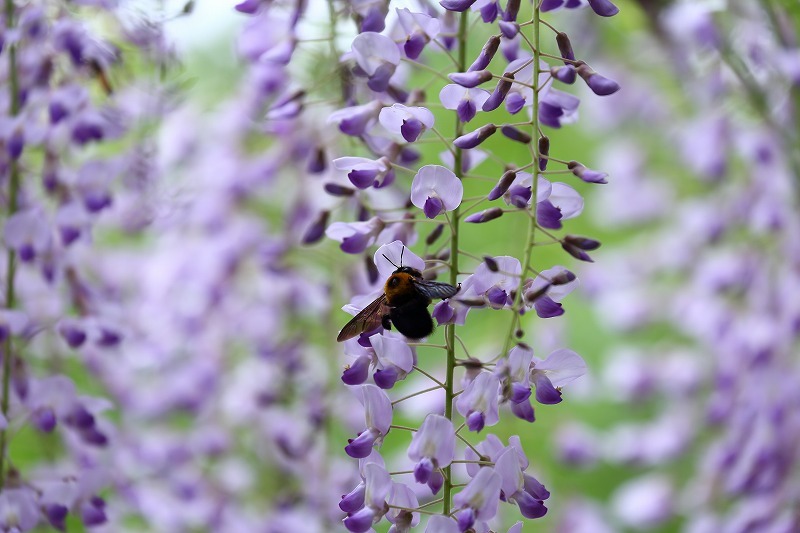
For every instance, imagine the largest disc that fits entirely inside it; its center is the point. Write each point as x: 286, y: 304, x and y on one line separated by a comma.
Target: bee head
x: 408, y: 270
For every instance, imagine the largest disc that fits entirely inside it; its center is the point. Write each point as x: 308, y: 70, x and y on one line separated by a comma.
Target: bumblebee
x: 404, y: 304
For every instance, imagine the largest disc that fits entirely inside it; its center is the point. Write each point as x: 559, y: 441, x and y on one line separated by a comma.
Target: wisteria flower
x: 478, y: 502
x: 563, y: 203
x: 479, y: 402
x: 355, y: 237
x: 378, y: 416
x: 418, y: 30
x: 365, y: 173
x: 378, y: 57
x: 495, y: 285
x: 546, y: 295
x: 28, y: 233
x: 519, y: 192
x: 464, y: 101
x: 395, y: 358
x: 557, y: 108
x: 356, y: 120
x: 432, y: 447
x: 378, y: 487
x: 549, y: 375
x: 515, y: 486
x: 436, y: 189
x: 408, y: 122
x: 402, y: 497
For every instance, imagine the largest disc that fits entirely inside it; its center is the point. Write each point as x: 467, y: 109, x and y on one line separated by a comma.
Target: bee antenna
x: 402, y: 251
x: 392, y: 262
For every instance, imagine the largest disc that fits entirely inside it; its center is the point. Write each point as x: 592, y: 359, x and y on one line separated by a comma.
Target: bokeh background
x: 208, y: 361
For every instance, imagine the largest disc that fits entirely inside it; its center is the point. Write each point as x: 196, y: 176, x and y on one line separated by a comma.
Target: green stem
x: 534, y: 148
x: 454, y: 220
x: 11, y: 258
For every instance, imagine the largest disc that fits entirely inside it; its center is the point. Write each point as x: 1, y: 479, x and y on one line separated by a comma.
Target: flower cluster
x: 512, y: 86
x: 717, y: 269
x: 156, y: 366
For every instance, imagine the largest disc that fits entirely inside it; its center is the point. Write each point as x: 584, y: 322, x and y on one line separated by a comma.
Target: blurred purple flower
x: 378, y: 56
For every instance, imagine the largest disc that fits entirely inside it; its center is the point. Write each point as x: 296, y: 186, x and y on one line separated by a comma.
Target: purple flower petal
x: 357, y: 373
x: 360, y: 521
x: 524, y: 411
x: 546, y: 393
x: 604, y: 8
x: 548, y: 215
x: 354, y: 500
x: 385, y: 378
x: 547, y: 307
x: 411, y: 129
x: 456, y: 5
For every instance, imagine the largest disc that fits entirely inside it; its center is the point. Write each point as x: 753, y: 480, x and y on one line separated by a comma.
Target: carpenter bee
x: 404, y: 303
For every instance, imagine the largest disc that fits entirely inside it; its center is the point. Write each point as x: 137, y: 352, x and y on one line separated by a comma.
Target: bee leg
x: 386, y: 322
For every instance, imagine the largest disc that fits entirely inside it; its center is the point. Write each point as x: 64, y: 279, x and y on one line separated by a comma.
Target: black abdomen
x: 412, y: 319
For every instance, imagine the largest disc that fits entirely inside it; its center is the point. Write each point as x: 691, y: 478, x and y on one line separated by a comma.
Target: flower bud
x: 486, y: 55
x: 502, y: 186
x: 515, y: 135
x: 544, y: 151
x: 335, y: 189
x: 508, y: 29
x: 587, y: 175
x: 500, y: 92
x: 473, y: 139
x: 565, y: 47
x: 600, y: 85
x: 434, y: 235
x: 470, y: 79
x: 485, y: 215
x: 565, y: 74
x: 512, y: 9
x: 604, y: 8
x: 456, y: 5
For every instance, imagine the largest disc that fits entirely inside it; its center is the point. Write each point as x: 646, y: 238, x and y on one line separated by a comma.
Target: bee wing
x: 435, y: 290
x: 367, y: 319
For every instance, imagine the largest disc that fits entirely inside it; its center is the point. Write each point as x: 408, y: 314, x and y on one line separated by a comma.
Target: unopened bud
x: 485, y: 215
x: 515, y: 135
x: 434, y: 235
x: 565, y: 47
x: 335, y: 189
x: 317, y: 229
x: 502, y: 186
x: 544, y: 151
x: 473, y: 139
x: 499, y: 93
x: 486, y: 55
x: 470, y: 79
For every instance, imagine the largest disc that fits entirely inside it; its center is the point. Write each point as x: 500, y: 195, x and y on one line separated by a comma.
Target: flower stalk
x: 454, y: 253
